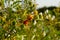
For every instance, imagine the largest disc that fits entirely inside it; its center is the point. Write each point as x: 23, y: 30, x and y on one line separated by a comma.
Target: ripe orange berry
x: 30, y: 17
x: 26, y: 22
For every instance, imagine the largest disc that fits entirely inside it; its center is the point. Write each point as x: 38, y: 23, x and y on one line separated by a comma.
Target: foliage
x: 21, y: 21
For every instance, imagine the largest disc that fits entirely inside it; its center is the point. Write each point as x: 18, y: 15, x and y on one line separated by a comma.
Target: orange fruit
x: 26, y: 22
x: 30, y: 17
